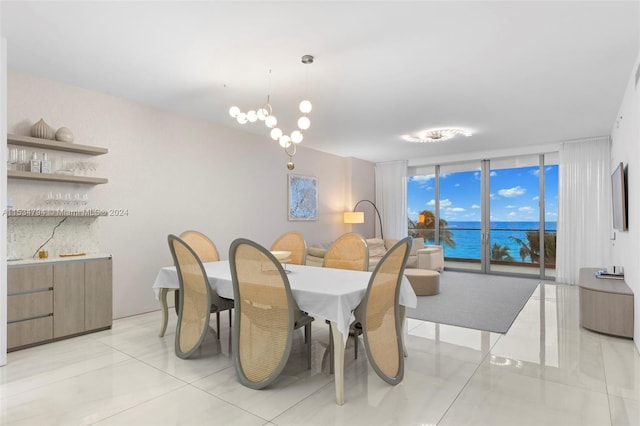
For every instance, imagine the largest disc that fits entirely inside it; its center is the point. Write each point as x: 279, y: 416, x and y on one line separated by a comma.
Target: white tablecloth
x: 327, y: 293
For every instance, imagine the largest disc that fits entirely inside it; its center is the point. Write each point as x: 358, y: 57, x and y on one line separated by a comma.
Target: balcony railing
x: 515, y: 247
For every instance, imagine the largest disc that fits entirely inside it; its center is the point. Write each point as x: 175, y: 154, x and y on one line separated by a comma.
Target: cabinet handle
x: 30, y: 318
x: 37, y: 290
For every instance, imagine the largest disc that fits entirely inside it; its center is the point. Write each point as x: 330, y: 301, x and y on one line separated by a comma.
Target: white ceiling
x: 516, y: 73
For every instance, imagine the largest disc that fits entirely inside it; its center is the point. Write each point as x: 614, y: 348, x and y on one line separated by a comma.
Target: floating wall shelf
x: 55, y: 145
x: 52, y: 177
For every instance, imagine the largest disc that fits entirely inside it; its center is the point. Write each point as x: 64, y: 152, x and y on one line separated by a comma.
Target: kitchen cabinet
x: 29, y: 305
x: 57, y: 299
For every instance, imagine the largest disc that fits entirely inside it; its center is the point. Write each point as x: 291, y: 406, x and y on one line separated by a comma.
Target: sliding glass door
x: 515, y: 215
x: 460, y: 220
x: 495, y: 216
x: 444, y: 209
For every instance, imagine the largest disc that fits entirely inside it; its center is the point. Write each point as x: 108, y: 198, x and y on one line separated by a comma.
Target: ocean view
x: 467, y: 237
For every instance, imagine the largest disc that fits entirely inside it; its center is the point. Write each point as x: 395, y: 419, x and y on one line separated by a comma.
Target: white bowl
x: 281, y: 254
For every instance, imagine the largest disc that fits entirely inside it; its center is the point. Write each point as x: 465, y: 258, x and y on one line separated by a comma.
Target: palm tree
x: 531, y: 248
x: 426, y: 228
x: 500, y: 252
x: 525, y: 248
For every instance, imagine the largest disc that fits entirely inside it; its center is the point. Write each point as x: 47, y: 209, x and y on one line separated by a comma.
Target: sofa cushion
x: 316, y: 251
x: 376, y: 247
x: 390, y: 242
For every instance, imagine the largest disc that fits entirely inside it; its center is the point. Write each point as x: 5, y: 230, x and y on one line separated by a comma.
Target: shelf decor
x: 42, y: 130
x: 41, y: 143
x: 303, y: 197
x: 64, y: 135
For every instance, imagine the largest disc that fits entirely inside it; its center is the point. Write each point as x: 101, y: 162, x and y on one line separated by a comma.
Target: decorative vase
x: 42, y: 130
x: 64, y: 135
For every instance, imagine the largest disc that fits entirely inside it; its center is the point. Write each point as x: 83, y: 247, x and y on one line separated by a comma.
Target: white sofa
x: 421, y: 256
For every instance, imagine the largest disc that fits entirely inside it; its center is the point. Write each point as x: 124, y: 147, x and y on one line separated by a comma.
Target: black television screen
x: 619, y: 198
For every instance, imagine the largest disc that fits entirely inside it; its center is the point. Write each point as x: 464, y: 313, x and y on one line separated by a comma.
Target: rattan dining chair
x: 207, y: 252
x: 294, y: 242
x: 202, y: 245
x: 266, y: 314
x: 196, y: 299
x: 378, y: 315
x: 349, y: 251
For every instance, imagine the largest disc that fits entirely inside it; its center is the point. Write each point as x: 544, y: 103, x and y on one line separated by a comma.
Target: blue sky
x: 514, y: 195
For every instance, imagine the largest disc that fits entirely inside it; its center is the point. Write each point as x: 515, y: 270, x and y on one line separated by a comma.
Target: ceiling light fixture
x: 435, y: 135
x: 286, y: 141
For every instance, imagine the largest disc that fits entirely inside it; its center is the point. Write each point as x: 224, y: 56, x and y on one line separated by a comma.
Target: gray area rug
x: 478, y: 301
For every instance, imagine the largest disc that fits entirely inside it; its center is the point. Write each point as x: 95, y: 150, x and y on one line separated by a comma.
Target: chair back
x: 264, y: 314
x: 202, y: 245
x: 195, y: 298
x: 294, y: 242
x: 349, y: 251
x: 380, y: 317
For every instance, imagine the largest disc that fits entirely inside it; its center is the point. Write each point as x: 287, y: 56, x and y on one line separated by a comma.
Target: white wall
x: 3, y: 201
x: 625, y: 148
x: 360, y: 174
x: 172, y: 173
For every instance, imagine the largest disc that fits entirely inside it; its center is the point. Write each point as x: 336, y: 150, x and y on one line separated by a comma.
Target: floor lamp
x: 358, y: 217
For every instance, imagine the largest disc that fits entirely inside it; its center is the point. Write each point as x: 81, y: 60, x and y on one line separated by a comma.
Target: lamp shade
x: 353, y: 217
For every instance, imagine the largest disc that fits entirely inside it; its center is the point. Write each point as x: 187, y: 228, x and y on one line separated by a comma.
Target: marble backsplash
x: 73, y: 235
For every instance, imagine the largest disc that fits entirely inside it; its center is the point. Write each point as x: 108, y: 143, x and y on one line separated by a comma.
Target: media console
x: 606, y: 305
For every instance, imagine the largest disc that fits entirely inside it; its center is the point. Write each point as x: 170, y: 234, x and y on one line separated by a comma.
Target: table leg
x: 405, y: 329
x: 165, y: 311
x: 338, y: 362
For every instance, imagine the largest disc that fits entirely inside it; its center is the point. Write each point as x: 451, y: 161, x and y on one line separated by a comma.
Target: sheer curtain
x: 391, y: 197
x: 584, y: 210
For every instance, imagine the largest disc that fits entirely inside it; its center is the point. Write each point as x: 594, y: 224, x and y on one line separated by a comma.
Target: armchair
x: 420, y: 256
x: 431, y: 257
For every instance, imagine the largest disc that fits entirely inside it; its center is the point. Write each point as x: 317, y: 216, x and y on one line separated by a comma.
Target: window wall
x: 495, y: 215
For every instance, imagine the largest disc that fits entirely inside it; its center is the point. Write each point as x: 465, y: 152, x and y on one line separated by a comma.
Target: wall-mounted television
x: 619, y: 198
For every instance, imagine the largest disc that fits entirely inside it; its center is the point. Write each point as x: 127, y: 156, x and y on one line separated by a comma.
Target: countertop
x: 588, y: 281
x: 56, y: 259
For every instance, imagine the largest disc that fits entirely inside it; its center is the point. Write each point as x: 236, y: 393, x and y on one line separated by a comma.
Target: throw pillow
x: 316, y: 251
x: 376, y: 247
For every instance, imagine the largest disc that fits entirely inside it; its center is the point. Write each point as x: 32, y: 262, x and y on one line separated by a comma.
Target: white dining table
x: 327, y: 293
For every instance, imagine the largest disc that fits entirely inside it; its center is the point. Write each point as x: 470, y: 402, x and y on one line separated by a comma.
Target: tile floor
x: 545, y: 371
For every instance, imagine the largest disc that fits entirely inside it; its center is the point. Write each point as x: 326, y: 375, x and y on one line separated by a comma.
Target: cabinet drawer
x: 29, y: 278
x: 29, y: 305
x: 27, y: 332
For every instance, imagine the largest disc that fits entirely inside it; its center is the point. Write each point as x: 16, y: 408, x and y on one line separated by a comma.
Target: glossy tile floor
x: 545, y: 371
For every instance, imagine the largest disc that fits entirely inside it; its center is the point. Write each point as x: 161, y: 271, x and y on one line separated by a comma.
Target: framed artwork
x: 303, y: 197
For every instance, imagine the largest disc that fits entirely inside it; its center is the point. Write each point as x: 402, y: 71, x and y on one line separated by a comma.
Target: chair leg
x: 218, y: 324
x: 355, y: 342
x: 307, y: 337
x: 176, y: 301
x: 229, y: 318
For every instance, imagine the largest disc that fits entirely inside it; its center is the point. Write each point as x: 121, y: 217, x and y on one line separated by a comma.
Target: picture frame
x: 302, y: 199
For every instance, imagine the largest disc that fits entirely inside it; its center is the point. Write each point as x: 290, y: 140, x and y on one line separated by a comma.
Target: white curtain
x: 391, y: 197
x: 584, y: 210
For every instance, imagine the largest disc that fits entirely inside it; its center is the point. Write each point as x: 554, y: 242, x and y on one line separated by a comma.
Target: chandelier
x: 435, y: 135
x: 265, y: 114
